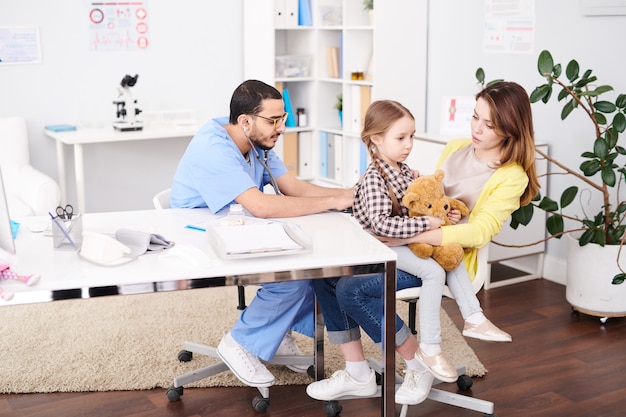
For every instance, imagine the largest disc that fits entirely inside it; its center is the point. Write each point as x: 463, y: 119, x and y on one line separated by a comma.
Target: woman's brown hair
x: 512, y: 118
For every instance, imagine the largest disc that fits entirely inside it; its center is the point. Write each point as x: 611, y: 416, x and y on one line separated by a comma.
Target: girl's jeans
x: 350, y: 302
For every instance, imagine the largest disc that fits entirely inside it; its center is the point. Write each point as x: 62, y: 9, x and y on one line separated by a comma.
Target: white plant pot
x: 590, y: 270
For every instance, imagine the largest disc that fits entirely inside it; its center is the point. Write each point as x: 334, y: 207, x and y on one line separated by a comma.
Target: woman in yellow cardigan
x: 493, y: 173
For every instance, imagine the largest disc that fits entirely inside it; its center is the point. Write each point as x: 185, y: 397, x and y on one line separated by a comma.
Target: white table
x: 339, y: 247
x: 87, y: 136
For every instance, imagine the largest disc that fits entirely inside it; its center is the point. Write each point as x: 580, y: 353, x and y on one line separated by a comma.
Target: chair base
x: 259, y: 403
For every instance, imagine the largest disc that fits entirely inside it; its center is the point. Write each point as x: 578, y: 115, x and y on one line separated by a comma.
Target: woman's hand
x: 454, y: 216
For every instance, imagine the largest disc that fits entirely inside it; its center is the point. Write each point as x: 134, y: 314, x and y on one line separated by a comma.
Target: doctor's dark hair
x: 248, y: 96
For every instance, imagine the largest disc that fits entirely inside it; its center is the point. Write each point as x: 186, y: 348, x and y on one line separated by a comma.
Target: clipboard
x: 255, y: 239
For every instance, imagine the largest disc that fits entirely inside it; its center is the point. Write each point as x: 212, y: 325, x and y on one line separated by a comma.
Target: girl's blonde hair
x: 512, y: 118
x: 380, y: 115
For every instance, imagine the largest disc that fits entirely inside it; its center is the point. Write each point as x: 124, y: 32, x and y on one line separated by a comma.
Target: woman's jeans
x: 350, y: 302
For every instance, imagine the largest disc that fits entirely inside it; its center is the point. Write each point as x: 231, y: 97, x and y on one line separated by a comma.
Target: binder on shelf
x: 361, y: 97
x: 362, y: 158
x: 323, y: 154
x: 285, y: 13
x: 330, y: 156
x: 305, y: 151
x: 290, y: 152
x: 304, y: 13
x: 332, y: 61
x: 291, y: 118
x: 338, y: 157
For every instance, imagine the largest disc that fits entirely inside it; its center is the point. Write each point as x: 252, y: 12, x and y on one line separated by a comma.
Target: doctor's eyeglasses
x: 278, y: 121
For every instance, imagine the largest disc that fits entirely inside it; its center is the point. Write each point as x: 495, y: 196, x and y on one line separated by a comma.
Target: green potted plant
x: 601, y: 173
x: 339, y: 107
x: 368, y: 5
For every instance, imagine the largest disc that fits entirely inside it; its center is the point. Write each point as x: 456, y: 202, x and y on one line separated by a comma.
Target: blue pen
x: 60, y: 226
x: 198, y: 228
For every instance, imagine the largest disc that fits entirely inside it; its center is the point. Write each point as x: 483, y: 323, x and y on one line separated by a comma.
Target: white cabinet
x: 315, y: 64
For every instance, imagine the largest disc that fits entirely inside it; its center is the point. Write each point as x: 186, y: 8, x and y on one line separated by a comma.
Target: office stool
x: 261, y: 402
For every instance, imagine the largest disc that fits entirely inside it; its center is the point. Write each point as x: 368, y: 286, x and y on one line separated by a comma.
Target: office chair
x: 29, y: 191
x: 464, y: 382
x: 261, y: 402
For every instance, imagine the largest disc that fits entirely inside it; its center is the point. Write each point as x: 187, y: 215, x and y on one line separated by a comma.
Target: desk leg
x: 61, y: 171
x: 389, y: 345
x: 319, y: 343
x: 79, y: 170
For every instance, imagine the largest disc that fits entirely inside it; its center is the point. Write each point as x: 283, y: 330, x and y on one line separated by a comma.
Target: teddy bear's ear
x: 439, y: 174
x: 410, y: 199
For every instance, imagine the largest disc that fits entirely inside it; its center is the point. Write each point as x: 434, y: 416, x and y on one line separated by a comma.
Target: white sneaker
x: 288, y: 347
x: 247, y: 367
x: 415, y: 388
x: 341, y: 384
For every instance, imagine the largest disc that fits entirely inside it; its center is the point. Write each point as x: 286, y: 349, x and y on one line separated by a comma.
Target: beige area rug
x: 131, y: 342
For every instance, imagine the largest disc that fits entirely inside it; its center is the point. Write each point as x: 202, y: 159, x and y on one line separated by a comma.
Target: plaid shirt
x: 372, y: 203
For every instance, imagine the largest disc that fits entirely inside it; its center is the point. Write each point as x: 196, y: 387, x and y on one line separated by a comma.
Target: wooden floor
x: 559, y: 364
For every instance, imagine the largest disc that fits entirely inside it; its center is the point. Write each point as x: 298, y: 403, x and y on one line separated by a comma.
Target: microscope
x: 126, y: 109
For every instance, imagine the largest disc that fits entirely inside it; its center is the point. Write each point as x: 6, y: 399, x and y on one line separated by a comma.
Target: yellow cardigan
x: 499, y: 198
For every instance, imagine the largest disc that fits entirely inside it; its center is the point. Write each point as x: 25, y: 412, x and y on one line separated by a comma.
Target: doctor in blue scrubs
x: 231, y: 160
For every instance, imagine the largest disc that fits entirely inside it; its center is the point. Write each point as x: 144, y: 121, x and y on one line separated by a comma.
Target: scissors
x: 66, y: 212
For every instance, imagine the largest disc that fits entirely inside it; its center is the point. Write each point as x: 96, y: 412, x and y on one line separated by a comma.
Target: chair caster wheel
x: 185, y: 356
x: 174, y: 393
x: 260, y: 404
x: 464, y: 382
x: 310, y: 371
x: 333, y: 408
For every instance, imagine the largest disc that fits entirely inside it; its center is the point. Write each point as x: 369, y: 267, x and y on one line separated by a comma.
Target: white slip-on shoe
x: 415, y: 387
x: 288, y: 347
x: 438, y: 366
x: 486, y: 331
x: 247, y: 367
x: 341, y: 384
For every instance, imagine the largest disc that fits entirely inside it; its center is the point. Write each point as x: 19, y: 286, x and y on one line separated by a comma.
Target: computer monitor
x: 6, y: 234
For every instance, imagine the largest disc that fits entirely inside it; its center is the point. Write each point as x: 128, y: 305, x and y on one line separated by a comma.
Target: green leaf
x: 480, y: 75
x: 572, y: 70
x: 548, y: 204
x: 600, y: 119
x: 539, y: 93
x: 590, y: 168
x: 604, y: 106
x: 618, y: 279
x: 603, y: 89
x: 556, y: 71
x: 586, y: 237
x: 567, y: 109
x: 523, y: 215
x: 608, y: 176
x: 619, y: 122
x: 545, y: 63
x: 621, y: 101
x: 555, y: 225
x: 568, y: 196
x: 600, y: 148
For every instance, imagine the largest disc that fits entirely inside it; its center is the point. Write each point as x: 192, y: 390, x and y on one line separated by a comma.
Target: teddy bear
x: 425, y: 197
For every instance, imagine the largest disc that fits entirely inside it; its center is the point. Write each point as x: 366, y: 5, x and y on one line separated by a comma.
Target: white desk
x: 350, y: 252
x: 86, y: 136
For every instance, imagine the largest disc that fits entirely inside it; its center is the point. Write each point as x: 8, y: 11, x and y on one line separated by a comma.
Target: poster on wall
x: 456, y: 115
x: 118, y: 25
x: 509, y: 26
x: 19, y: 45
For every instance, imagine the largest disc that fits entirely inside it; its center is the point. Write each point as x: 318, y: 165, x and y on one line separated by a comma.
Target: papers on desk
x: 257, y: 239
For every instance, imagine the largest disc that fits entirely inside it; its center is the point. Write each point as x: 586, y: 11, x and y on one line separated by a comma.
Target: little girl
x: 388, y: 135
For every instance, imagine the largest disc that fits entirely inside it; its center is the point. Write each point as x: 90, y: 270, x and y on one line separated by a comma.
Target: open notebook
x: 257, y: 238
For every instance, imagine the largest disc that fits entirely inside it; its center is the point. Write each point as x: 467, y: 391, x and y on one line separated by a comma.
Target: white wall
x: 194, y: 62
x: 456, y: 51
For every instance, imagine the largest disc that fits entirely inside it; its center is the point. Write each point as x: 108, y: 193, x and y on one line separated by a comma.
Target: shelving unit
x: 327, y: 150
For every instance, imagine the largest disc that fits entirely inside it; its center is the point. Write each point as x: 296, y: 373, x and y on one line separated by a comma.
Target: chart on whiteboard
x: 118, y: 25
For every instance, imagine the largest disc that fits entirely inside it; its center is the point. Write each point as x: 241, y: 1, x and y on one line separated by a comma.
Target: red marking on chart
x: 141, y: 27
x: 141, y: 13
